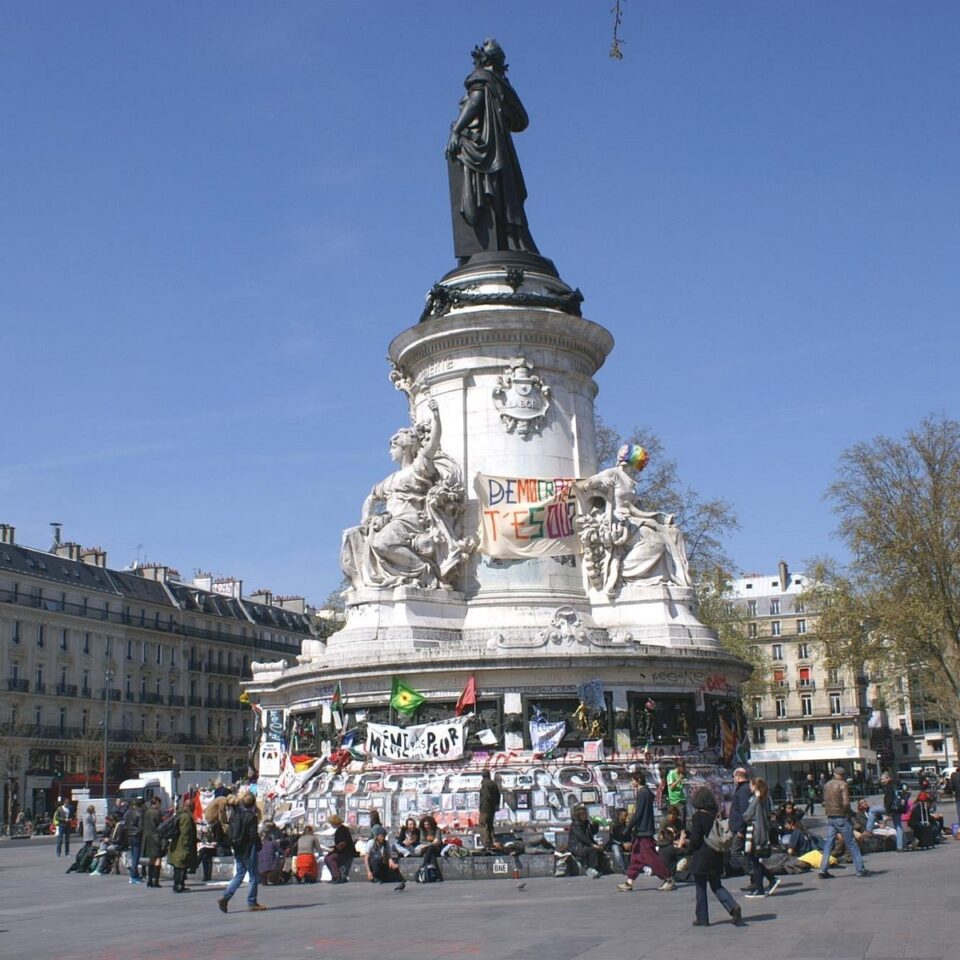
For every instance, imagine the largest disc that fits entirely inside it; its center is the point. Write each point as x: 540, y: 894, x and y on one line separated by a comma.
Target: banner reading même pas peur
x: 425, y: 741
x: 523, y: 517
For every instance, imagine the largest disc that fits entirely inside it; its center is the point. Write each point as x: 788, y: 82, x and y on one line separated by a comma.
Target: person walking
x: 836, y: 808
x: 61, y: 823
x: 742, y: 795
x: 133, y: 824
x: 643, y: 852
x: 811, y: 790
x: 706, y: 864
x: 151, y: 847
x: 789, y: 790
x: 489, y: 805
x: 183, y: 855
x: 757, y: 815
x: 245, y: 838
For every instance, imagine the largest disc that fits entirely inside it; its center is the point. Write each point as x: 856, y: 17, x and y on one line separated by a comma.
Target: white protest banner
x: 425, y: 741
x: 545, y: 737
x: 524, y: 517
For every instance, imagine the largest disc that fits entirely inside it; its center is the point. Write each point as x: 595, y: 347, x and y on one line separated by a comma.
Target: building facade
x: 140, y: 660
x: 810, y: 716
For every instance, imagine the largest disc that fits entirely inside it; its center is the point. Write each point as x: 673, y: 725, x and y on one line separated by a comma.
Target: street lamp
x: 108, y: 679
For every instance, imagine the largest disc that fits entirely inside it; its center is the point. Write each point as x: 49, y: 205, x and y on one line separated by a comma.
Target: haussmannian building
x: 169, y: 656
x: 811, y: 716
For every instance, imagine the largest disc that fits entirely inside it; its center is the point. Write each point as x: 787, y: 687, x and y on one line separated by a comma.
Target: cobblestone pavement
x: 909, y: 907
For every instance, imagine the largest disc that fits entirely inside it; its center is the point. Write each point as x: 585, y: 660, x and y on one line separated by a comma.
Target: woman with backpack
x: 757, y: 816
x: 183, y: 855
x: 706, y: 863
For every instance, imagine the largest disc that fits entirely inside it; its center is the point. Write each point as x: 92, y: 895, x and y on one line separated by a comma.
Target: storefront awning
x: 824, y: 755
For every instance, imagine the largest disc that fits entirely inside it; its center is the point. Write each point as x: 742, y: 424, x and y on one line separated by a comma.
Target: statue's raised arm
x: 487, y: 191
x: 409, y: 523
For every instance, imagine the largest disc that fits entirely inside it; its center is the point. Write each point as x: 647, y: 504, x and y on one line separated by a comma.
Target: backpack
x: 428, y: 874
x: 719, y: 838
x: 235, y: 828
x: 84, y: 858
x: 899, y: 800
x: 169, y: 829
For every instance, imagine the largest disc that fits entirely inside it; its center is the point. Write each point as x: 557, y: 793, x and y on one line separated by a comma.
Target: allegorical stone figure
x: 622, y: 543
x: 487, y: 191
x: 408, y: 525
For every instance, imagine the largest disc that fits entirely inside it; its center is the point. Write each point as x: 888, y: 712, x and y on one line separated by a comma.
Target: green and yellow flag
x: 405, y: 699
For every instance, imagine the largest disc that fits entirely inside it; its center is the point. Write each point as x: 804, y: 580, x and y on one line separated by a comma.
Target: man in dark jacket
x: 738, y: 807
x: 583, y: 842
x: 245, y: 838
x: 641, y: 825
x: 893, y: 805
x: 489, y: 804
x: 133, y: 822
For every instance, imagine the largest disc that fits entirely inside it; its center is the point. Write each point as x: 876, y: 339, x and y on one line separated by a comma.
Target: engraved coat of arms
x: 521, y: 398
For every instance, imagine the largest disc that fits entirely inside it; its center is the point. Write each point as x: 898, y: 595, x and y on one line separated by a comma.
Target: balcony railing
x: 176, y: 700
x: 195, y: 701
x: 18, y: 685
x: 289, y: 648
x: 39, y: 687
x: 114, y: 693
x: 151, y: 698
x: 66, y: 689
x: 809, y: 685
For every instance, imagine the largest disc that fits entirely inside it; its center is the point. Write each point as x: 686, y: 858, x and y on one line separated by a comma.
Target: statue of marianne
x: 487, y: 191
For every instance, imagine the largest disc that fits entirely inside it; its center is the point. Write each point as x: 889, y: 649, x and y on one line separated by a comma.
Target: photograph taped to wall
x: 542, y: 814
x: 588, y: 795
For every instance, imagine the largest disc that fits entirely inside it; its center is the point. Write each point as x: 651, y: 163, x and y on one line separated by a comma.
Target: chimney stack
x: 784, y: 575
x: 94, y: 556
x: 69, y: 550
x: 7, y: 532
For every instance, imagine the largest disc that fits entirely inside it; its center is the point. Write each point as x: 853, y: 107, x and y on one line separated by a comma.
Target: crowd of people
x: 759, y: 840
x: 140, y: 836
x: 692, y: 842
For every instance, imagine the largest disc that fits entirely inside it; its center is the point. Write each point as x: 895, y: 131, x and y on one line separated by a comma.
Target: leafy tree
x: 896, y: 606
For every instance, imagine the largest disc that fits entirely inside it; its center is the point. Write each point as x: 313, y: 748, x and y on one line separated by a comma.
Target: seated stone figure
x: 622, y: 543
x: 407, y: 533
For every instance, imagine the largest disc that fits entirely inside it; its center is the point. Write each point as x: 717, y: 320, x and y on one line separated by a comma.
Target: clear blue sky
x: 216, y: 215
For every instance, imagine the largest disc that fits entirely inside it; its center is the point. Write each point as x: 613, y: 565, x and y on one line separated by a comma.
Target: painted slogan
x: 524, y: 517
x: 425, y: 741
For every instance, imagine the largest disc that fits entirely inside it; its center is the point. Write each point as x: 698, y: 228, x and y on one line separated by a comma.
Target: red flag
x: 468, y: 698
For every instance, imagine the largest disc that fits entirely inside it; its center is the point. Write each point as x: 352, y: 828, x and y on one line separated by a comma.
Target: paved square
x: 907, y: 909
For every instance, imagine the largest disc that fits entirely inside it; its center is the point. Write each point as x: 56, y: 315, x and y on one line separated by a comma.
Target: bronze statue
x: 487, y: 191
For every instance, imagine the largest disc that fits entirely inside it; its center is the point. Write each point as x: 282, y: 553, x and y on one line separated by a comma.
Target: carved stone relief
x: 521, y: 398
